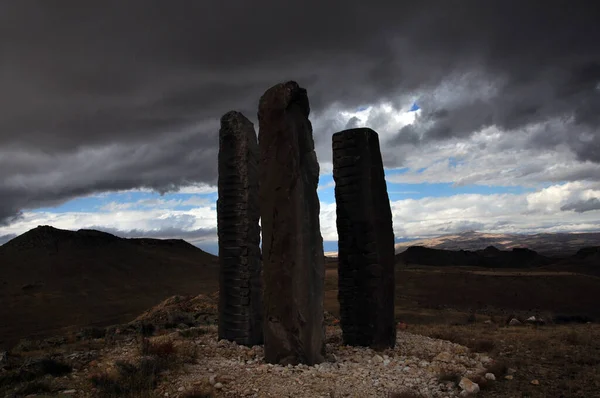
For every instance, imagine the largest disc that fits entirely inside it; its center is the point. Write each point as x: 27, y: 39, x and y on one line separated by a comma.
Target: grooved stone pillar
x: 293, y: 258
x: 240, y: 287
x: 365, y: 241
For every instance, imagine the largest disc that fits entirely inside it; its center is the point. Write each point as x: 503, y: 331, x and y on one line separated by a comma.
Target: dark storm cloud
x: 582, y: 206
x: 97, y: 95
x: 6, y: 238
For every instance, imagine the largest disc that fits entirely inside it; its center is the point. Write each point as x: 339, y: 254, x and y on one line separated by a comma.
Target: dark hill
x: 585, y: 261
x: 591, y: 254
x: 490, y: 257
x: 50, y: 278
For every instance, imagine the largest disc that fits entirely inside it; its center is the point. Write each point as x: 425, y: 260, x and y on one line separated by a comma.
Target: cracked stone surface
x: 293, y: 257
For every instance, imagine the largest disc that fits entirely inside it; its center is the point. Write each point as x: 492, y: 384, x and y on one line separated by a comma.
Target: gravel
x: 415, y: 364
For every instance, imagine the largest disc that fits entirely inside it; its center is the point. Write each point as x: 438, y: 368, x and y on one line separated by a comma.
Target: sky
x: 488, y: 112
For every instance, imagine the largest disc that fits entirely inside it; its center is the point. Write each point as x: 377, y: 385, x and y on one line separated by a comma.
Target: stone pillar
x: 238, y: 212
x: 293, y: 258
x: 366, y: 253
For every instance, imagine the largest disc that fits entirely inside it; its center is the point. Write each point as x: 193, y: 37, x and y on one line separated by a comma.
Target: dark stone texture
x: 366, y: 281
x: 238, y: 212
x: 293, y: 257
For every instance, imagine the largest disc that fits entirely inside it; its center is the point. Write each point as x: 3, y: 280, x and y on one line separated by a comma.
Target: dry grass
x: 129, y: 380
x: 565, y: 359
x: 139, y: 378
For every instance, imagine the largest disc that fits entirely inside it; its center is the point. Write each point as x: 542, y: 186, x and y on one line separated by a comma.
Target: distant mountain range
x: 490, y: 257
x: 50, y: 278
x: 552, y: 245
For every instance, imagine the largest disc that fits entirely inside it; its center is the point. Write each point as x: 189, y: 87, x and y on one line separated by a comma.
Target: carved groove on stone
x: 240, y: 285
x: 366, y: 282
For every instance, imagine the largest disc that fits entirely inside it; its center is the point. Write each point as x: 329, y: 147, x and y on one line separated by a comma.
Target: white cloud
x: 501, y: 213
x: 491, y: 158
x: 157, y: 203
x: 538, y: 211
x: 149, y: 220
x: 198, y: 189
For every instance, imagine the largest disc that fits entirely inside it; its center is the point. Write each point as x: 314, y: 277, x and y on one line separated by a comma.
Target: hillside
x: 50, y: 278
x: 555, y: 244
x: 585, y: 261
x: 490, y: 257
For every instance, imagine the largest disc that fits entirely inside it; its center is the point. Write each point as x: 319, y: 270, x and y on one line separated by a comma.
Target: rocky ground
x: 418, y: 364
x: 415, y: 364
x: 160, y: 355
x: 173, y: 351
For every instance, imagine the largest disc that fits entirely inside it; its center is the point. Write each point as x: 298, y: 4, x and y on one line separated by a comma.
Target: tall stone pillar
x: 293, y: 258
x: 238, y: 212
x: 365, y: 241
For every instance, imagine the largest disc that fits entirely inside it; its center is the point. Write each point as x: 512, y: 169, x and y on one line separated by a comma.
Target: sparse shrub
x: 146, y: 329
x: 56, y: 341
x: 176, y: 318
x: 34, y: 387
x: 24, y: 377
x: 498, y: 368
x: 483, y: 345
x: 566, y: 319
x: 205, y: 318
x: 160, y: 349
x: 481, y: 381
x: 192, y: 332
x: 187, y: 352
x: 130, y: 379
x: 92, y: 332
x: 107, y: 385
x: 574, y: 337
x: 471, y: 318
x: 450, y: 334
x: 26, y: 345
x: 48, y: 366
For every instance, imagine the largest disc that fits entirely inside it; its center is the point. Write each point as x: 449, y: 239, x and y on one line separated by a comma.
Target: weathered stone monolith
x: 293, y: 260
x: 365, y: 241
x: 238, y: 212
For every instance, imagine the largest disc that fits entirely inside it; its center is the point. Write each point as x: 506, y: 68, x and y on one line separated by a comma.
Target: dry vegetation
x: 451, y: 304
x: 565, y: 359
x: 110, y: 368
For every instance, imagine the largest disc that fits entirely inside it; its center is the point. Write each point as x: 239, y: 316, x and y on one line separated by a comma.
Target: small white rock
x: 218, y: 386
x: 490, y: 376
